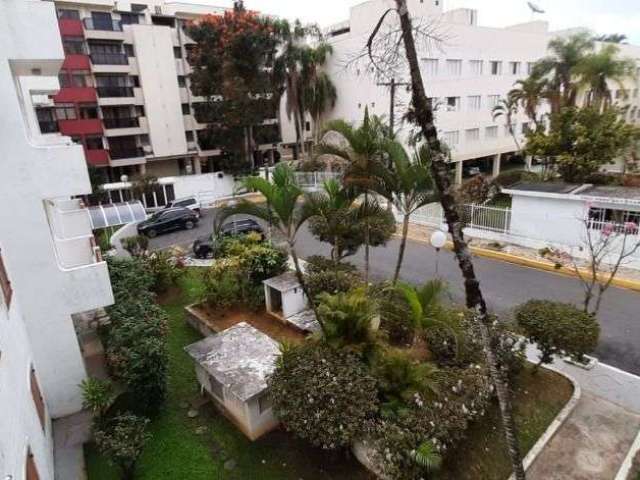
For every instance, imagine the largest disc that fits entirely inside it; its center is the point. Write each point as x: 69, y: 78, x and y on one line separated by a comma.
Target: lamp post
x: 438, y: 240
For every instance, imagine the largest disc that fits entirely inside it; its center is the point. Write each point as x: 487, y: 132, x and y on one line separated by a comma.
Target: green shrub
x: 166, y: 270
x: 558, y: 328
x: 323, y: 395
x: 323, y: 275
x: 97, y: 395
x: 395, y: 315
x: 137, y: 245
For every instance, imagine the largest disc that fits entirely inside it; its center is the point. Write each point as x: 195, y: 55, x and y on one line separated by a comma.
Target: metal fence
x: 479, y: 217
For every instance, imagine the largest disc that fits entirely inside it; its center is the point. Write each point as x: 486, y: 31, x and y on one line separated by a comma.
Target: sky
x: 603, y: 16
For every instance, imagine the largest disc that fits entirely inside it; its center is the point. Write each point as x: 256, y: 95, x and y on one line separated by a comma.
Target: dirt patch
x: 219, y: 320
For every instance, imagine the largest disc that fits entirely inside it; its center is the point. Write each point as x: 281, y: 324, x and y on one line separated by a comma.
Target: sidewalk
x: 594, y: 441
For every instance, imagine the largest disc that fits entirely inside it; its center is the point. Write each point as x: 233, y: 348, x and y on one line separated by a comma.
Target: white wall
x: 187, y: 185
x: 293, y: 302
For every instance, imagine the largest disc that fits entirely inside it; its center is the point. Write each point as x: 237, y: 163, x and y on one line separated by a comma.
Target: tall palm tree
x: 612, y: 38
x: 528, y: 94
x: 282, y: 210
x: 598, y: 69
x: 507, y: 108
x: 407, y: 185
x: 320, y: 93
x: 365, y: 148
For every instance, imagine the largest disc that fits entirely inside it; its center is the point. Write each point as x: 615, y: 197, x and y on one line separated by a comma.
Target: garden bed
x: 199, y: 448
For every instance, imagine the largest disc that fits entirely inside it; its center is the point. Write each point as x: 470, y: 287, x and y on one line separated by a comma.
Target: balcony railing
x: 48, y: 126
x: 103, y: 25
x: 121, y: 122
x: 109, y: 59
x: 118, y: 154
x: 115, y: 92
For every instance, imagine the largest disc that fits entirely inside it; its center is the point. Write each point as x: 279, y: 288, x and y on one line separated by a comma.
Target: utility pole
x: 392, y: 95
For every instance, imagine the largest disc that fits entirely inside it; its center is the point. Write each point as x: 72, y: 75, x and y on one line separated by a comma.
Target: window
x: 264, y: 403
x: 5, y: 284
x: 32, y: 470
x: 491, y: 132
x: 64, y: 79
x: 177, y: 52
x: 94, y: 143
x: 598, y: 216
x: 454, y: 67
x: 433, y: 103
x: 452, y: 138
x: 81, y: 80
x: 453, y: 104
x: 138, y: 7
x: 475, y: 67
x: 472, y: 134
x: 46, y: 120
x: 135, y: 80
x: 88, y: 111
x: 474, y: 102
x: 128, y: 50
x: 430, y: 66
x: 66, y: 111
x: 496, y: 67
x: 507, y: 129
x: 493, y: 100
x: 140, y: 111
x: 189, y: 136
x: 186, y: 109
x: 129, y: 18
x: 73, y: 45
x: 530, y: 67
x: 36, y: 395
x: 67, y: 14
x: 181, y: 81
x: 514, y: 68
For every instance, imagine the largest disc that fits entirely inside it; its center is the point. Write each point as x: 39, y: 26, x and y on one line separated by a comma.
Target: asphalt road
x: 504, y: 286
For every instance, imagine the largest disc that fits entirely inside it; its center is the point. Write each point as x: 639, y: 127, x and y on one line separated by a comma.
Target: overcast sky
x: 603, y: 16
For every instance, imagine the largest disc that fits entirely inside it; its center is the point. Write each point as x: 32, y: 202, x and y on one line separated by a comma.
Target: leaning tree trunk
x: 474, y: 299
x: 403, y: 246
x: 367, y: 240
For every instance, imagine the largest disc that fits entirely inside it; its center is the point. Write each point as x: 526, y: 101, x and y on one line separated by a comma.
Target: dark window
x: 64, y: 79
x: 73, y: 45
x: 47, y: 120
x: 94, y: 143
x: 107, y: 53
x: 32, y: 470
x: 138, y: 7
x: 181, y: 81
x: 189, y: 136
x: 114, y: 86
x: 170, y: 192
x: 128, y: 49
x: 68, y: 14
x: 177, y: 52
x: 66, y: 112
x: 136, y: 80
x: 308, y: 126
x: 81, y: 80
x: 5, y: 284
x: 140, y: 111
x: 164, y: 21
x: 88, y: 111
x: 36, y: 394
x: 186, y: 109
x: 77, y: 140
x: 129, y: 18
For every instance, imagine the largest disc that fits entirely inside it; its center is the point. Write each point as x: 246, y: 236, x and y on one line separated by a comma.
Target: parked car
x: 168, y: 220
x: 191, y: 203
x: 205, y: 247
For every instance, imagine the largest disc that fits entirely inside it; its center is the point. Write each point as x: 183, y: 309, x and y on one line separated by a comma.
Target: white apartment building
x: 465, y: 75
x: 126, y: 94
x: 50, y: 268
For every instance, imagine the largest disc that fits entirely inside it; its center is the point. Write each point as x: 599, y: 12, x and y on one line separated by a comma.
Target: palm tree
x: 282, y: 210
x: 528, y: 94
x: 612, y: 38
x: 365, y: 147
x: 407, y: 185
x: 320, y: 93
x: 598, y: 69
x: 507, y: 108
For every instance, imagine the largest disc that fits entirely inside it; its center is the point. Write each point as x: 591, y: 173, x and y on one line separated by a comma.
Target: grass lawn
x: 177, y: 451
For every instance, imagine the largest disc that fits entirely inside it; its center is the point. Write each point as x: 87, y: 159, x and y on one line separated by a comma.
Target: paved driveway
x: 504, y: 286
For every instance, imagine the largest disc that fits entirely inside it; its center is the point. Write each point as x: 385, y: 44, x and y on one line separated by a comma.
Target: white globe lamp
x: 438, y: 240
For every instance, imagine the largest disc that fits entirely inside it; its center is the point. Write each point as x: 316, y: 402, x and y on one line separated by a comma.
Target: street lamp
x: 438, y: 240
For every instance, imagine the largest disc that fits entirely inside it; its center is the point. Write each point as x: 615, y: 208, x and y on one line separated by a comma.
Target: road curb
x: 627, y: 465
x: 557, y: 422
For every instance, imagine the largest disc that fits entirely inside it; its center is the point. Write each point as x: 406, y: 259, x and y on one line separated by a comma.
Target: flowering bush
x: 323, y: 395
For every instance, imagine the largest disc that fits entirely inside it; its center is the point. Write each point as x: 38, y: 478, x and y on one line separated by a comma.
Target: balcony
x: 119, y: 154
x: 76, y: 95
x: 48, y: 126
x: 80, y: 126
x: 107, y: 92
x: 110, y: 58
x: 131, y: 122
x: 76, y: 61
x: 70, y: 27
x: 97, y: 158
x: 102, y: 25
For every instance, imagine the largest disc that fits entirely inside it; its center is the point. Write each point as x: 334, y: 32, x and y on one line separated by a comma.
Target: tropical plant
x: 281, y: 209
x: 558, y: 328
x: 365, y: 147
x: 323, y: 395
x: 407, y: 184
x: 395, y: 314
x: 612, y: 38
x: 320, y: 93
x: 121, y: 440
x: 507, y: 108
x: 166, y: 269
x: 324, y: 275
x: 528, y: 95
x: 136, y: 246
x: 97, y: 396
x: 427, y: 456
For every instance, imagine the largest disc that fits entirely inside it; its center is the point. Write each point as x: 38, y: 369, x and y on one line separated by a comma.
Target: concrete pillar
x: 458, y: 173
x: 143, y: 168
x: 496, y: 165
x: 197, y: 166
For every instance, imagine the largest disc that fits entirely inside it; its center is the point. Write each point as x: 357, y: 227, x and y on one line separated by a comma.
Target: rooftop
x: 624, y: 193
x: 586, y: 192
x: 305, y: 321
x: 547, y: 187
x: 283, y: 283
x: 241, y: 358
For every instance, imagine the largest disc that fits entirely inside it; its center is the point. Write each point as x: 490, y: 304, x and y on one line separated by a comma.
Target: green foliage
x: 135, y: 340
x: 581, y: 141
x: 121, y: 440
x: 326, y: 276
x: 475, y: 190
x: 558, y: 328
x: 424, y: 301
x: 97, y: 395
x: 396, y: 319
x: 427, y: 456
x: 323, y: 395
x: 137, y: 245
x: 511, y: 177
x: 166, y: 270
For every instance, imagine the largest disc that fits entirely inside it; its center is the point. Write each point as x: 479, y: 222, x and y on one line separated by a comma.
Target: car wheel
x: 151, y: 233
x: 189, y: 224
x: 209, y: 254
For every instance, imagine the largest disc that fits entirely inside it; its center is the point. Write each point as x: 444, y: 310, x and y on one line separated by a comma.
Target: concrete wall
x: 293, y: 302
x: 187, y: 185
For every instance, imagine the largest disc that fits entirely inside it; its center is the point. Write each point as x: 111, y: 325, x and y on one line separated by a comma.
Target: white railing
x: 479, y: 217
x: 315, y: 180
